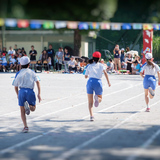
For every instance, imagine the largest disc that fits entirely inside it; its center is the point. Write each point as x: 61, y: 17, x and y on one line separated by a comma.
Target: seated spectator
x: 1, y: 68
x: 12, y: 62
x: 136, y: 67
x: 124, y: 65
x: 111, y: 66
x: 44, y: 60
x: 18, y: 62
x: 10, y: 52
x: 78, y: 66
x: 102, y: 61
x: 49, y: 63
x: 72, y: 65
x: 4, y: 62
x: 138, y: 58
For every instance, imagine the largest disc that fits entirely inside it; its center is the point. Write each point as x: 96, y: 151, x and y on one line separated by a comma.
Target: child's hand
x: 159, y: 83
x: 39, y: 97
x: 109, y: 84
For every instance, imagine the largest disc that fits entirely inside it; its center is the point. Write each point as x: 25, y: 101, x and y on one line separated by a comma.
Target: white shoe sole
x: 26, y: 106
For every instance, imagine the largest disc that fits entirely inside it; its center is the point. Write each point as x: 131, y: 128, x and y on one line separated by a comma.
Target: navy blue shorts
x: 26, y: 94
x: 94, y: 85
x: 149, y: 81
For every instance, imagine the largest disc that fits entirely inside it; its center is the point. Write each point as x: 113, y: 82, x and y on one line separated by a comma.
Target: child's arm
x: 106, y: 75
x: 39, y: 91
x: 16, y: 90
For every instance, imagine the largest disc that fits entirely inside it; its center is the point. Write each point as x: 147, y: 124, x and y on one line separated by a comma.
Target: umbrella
x: 133, y: 53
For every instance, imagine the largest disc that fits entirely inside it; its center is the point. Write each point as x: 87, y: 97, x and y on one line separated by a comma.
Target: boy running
x: 94, y: 72
x: 24, y: 80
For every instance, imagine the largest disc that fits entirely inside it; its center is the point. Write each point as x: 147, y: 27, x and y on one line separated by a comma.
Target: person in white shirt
x: 12, y: 62
x: 72, y: 65
x: 148, y: 72
x: 94, y: 71
x: 11, y: 51
x: 25, y: 80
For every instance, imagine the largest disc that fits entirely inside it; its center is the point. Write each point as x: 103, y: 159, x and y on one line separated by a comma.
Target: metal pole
x: 3, y: 36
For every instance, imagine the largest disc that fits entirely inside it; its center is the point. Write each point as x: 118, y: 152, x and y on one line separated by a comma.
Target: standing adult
x: 51, y: 54
x: 66, y: 58
x: 59, y: 58
x: 4, y: 51
x: 117, y: 55
x: 122, y: 55
x: 23, y: 52
x: 33, y: 54
x: 15, y: 48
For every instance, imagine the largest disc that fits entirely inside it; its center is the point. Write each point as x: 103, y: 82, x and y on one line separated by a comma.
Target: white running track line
x: 65, y: 155
x: 24, y: 142
x: 73, y: 107
x: 144, y: 146
x: 115, y: 105
x: 54, y: 101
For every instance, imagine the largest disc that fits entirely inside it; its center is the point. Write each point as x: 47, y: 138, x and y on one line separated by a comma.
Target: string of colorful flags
x: 46, y: 24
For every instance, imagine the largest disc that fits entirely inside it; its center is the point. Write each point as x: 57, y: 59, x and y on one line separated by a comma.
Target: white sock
x: 148, y: 106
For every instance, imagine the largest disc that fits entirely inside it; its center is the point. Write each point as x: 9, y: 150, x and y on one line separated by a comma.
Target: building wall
x: 41, y: 39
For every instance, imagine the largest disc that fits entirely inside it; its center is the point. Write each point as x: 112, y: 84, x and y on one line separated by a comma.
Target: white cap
x: 24, y: 60
x: 122, y: 49
x: 148, y: 56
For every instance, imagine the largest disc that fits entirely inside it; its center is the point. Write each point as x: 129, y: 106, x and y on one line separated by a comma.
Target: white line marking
x: 68, y: 108
x: 41, y: 104
x: 144, y: 146
x: 25, y: 142
x: 77, y: 148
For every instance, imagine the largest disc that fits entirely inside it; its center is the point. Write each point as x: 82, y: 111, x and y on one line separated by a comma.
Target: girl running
x: 94, y: 72
x: 150, y: 69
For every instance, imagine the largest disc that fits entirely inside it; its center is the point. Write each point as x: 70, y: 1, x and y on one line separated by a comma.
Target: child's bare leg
x: 99, y: 98
x: 90, y: 104
x: 23, y: 116
x: 11, y: 66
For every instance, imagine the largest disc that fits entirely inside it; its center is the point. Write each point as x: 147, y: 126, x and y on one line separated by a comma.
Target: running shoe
x: 151, y: 91
x: 91, y: 118
x: 26, y: 107
x: 96, y: 102
x: 148, y: 110
x: 25, y: 130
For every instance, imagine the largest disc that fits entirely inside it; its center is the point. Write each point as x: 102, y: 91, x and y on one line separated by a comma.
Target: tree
x: 88, y: 10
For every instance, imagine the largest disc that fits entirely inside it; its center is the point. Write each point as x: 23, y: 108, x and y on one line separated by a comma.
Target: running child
x: 24, y: 80
x: 94, y: 72
x: 149, y: 83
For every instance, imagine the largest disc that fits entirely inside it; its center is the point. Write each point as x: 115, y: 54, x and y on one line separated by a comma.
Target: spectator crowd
x: 123, y: 60
x: 49, y: 59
